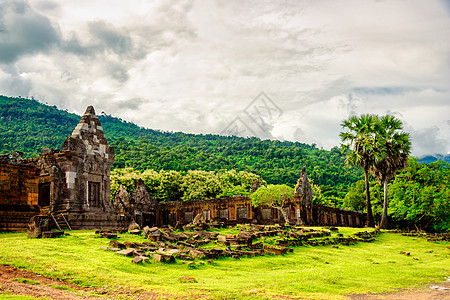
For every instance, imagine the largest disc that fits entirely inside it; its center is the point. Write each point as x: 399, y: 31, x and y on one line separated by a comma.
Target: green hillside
x: 28, y: 126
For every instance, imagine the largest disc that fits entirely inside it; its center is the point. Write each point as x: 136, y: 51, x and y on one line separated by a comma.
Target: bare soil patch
x: 436, y: 291
x: 22, y: 282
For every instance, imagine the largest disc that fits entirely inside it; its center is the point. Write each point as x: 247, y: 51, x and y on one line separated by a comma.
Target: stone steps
x: 15, y: 221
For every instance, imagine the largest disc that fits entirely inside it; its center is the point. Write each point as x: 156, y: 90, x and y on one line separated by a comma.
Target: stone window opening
x: 266, y: 213
x: 207, y: 215
x: 223, y: 213
x: 241, y: 212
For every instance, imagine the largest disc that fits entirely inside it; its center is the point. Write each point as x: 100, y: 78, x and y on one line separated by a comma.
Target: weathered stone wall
x: 238, y: 209
x: 19, y: 184
x: 19, y: 190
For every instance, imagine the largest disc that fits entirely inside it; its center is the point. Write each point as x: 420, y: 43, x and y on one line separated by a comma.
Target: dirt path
x: 21, y: 282
x: 436, y: 291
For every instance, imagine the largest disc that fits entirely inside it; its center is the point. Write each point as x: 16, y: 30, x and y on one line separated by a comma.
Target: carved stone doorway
x: 44, y: 194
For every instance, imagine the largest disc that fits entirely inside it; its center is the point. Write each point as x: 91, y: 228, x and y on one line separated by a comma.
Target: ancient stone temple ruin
x: 143, y: 209
x: 73, y: 181
x: 74, y: 184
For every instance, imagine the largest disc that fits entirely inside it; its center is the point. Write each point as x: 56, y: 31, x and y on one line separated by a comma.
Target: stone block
x: 222, y: 238
x: 173, y: 252
x: 163, y: 258
x: 113, y: 249
x: 278, y: 250
x: 37, y: 225
x: 196, y: 253
x: 126, y: 252
x: 52, y: 234
x: 117, y: 244
x: 108, y: 235
x: 140, y: 259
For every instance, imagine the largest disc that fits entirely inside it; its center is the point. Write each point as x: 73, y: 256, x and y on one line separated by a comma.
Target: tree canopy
x: 274, y: 196
x: 169, y: 185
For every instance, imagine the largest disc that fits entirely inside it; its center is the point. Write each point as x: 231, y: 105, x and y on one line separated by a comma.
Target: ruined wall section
x: 238, y: 209
x: 19, y: 190
x: 230, y: 210
x: 18, y: 184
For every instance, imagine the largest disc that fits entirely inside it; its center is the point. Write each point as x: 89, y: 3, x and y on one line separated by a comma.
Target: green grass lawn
x: 319, y: 272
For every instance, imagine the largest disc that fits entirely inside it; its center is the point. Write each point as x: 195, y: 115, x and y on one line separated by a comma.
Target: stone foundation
x: 97, y: 221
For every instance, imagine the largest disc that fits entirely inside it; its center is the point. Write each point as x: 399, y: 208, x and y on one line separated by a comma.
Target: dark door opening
x: 44, y: 194
x: 94, y: 194
x: 148, y: 219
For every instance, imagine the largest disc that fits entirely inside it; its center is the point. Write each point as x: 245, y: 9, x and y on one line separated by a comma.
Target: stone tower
x: 86, y: 168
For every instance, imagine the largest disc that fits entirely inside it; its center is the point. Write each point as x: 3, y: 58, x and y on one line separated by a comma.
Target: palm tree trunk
x: 370, y: 222
x: 384, y: 217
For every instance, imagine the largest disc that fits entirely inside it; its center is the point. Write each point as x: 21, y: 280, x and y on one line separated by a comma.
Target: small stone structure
x: 73, y: 181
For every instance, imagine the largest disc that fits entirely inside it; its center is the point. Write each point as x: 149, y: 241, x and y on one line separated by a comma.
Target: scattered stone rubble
x: 38, y: 227
x: 431, y: 237
x: 167, y: 244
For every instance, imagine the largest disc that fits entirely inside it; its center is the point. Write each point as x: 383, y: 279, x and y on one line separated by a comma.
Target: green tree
x: 274, y: 196
x: 358, y: 142
x: 237, y: 183
x: 199, y: 185
x: 170, y: 188
x: 394, y: 147
x: 420, y: 196
x: 126, y: 177
x: 319, y: 198
x: 355, y: 198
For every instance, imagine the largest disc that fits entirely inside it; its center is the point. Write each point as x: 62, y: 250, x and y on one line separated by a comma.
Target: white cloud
x: 194, y: 66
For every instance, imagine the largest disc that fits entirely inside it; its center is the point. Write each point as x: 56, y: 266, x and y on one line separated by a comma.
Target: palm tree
x: 360, y: 140
x: 394, y: 147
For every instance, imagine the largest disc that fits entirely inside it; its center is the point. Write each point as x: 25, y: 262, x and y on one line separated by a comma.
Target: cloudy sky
x: 291, y: 70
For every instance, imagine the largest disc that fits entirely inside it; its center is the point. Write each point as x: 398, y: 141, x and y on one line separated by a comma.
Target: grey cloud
x: 104, y: 38
x: 73, y: 45
x: 427, y: 141
x: 24, y: 31
x: 117, y: 72
x: 128, y: 104
x: 385, y: 90
x: 47, y: 5
x: 351, y: 104
x: 446, y: 5
x: 169, y: 27
x: 110, y: 38
x: 15, y: 85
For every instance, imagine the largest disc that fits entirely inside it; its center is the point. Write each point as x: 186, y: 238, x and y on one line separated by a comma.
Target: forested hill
x: 28, y: 126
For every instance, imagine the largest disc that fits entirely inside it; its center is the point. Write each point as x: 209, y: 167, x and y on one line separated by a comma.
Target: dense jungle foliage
x: 191, y: 185
x: 188, y: 166
x: 419, y: 197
